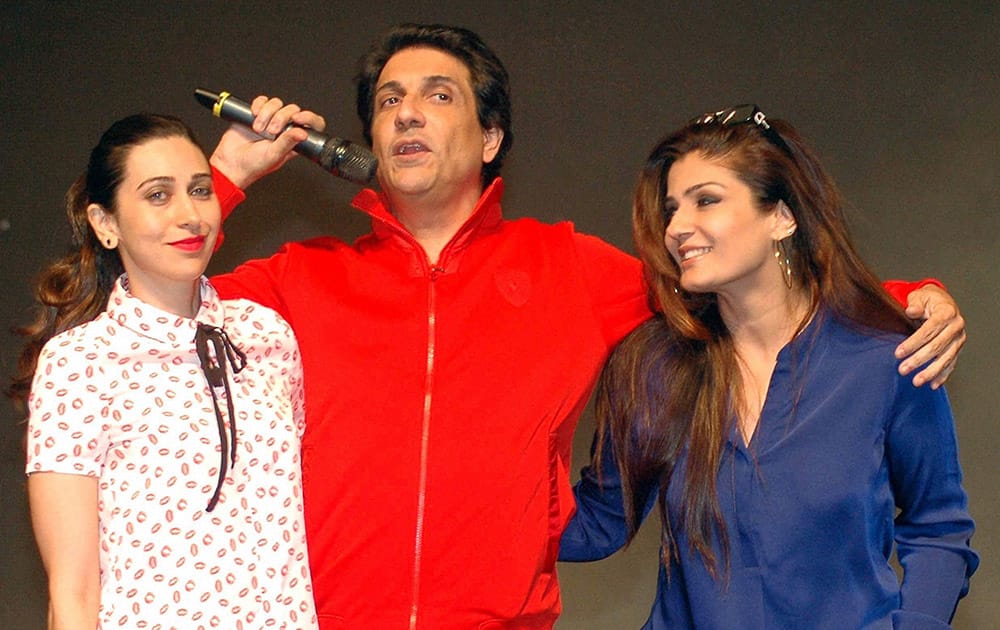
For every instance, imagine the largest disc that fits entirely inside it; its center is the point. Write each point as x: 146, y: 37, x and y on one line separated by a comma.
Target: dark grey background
x: 901, y: 99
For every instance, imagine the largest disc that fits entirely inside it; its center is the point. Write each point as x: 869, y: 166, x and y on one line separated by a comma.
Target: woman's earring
x: 784, y: 261
x: 111, y: 243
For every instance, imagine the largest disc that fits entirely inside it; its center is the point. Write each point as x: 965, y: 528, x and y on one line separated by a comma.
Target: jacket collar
x: 486, y: 217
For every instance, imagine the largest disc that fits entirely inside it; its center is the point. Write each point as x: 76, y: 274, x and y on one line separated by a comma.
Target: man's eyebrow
x: 432, y: 80
x: 389, y: 85
x: 437, y: 79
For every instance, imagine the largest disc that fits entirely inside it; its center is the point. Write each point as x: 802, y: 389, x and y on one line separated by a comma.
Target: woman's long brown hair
x: 667, y: 389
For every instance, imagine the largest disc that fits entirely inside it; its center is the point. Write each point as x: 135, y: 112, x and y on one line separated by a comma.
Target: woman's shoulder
x: 249, y: 322
x: 243, y: 311
x: 856, y: 339
x: 90, y: 335
x: 76, y: 358
x: 869, y: 353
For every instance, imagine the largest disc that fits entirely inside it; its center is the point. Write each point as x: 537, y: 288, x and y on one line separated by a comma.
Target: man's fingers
x: 928, y: 333
x: 937, y: 372
x: 312, y: 120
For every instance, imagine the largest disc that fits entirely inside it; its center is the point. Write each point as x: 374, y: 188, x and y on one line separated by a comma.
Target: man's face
x: 425, y: 130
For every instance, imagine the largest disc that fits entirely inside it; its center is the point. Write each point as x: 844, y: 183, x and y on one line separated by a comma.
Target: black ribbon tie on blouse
x: 214, y: 349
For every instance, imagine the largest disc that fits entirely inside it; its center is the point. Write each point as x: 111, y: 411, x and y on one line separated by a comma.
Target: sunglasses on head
x: 744, y: 114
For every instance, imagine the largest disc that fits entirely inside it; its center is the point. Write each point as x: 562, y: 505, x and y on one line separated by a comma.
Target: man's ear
x: 492, y: 138
x: 104, y: 225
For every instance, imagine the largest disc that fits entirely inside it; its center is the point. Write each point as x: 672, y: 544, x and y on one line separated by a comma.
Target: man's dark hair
x: 489, y: 77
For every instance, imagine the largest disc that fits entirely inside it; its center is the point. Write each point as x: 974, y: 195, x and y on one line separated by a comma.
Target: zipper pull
x: 436, y: 271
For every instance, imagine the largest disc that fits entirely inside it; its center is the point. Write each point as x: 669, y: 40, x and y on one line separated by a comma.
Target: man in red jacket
x: 449, y: 353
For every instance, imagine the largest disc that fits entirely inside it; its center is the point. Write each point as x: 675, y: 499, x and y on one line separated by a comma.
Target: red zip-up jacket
x: 440, y: 407
x: 441, y: 402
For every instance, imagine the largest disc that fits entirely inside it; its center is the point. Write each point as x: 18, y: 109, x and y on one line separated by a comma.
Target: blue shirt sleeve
x: 933, y: 526
x: 598, y: 528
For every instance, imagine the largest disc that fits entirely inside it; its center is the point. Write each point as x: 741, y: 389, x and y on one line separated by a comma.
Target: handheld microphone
x: 341, y: 157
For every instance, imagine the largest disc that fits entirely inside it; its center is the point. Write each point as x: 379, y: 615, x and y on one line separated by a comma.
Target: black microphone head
x: 348, y: 160
x: 206, y: 98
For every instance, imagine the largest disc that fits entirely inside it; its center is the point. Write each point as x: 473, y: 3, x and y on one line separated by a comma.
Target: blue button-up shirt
x: 848, y: 463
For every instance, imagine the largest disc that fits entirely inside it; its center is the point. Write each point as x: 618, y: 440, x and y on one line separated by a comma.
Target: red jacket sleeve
x: 262, y: 280
x: 229, y: 197
x: 258, y: 280
x: 617, y: 289
x: 900, y: 289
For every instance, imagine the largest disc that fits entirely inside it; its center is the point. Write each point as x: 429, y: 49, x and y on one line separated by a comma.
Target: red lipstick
x: 192, y: 244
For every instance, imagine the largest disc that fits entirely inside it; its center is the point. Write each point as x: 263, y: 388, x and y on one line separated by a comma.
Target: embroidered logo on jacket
x: 514, y: 285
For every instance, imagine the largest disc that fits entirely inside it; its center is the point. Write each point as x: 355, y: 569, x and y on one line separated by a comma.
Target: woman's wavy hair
x: 667, y: 389
x: 75, y: 288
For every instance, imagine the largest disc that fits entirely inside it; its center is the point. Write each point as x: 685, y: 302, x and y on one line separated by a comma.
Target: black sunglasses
x: 741, y: 114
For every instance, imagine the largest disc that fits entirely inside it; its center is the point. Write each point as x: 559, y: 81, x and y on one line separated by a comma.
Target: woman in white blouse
x: 163, y: 423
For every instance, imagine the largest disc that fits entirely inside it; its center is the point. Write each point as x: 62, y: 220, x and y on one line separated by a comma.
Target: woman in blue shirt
x: 762, y: 409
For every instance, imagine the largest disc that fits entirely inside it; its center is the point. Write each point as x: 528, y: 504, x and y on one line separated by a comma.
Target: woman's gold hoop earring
x: 781, y: 255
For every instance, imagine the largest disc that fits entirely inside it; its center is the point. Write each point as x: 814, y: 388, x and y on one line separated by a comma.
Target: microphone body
x: 343, y: 158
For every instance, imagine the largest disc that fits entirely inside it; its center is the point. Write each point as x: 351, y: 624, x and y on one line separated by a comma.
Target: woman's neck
x: 765, y: 321
x: 760, y: 326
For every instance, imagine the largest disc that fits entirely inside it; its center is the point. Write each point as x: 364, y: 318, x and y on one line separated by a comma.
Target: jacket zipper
x: 434, y: 272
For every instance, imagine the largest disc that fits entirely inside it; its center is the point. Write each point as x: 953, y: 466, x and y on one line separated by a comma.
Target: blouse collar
x: 149, y: 321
